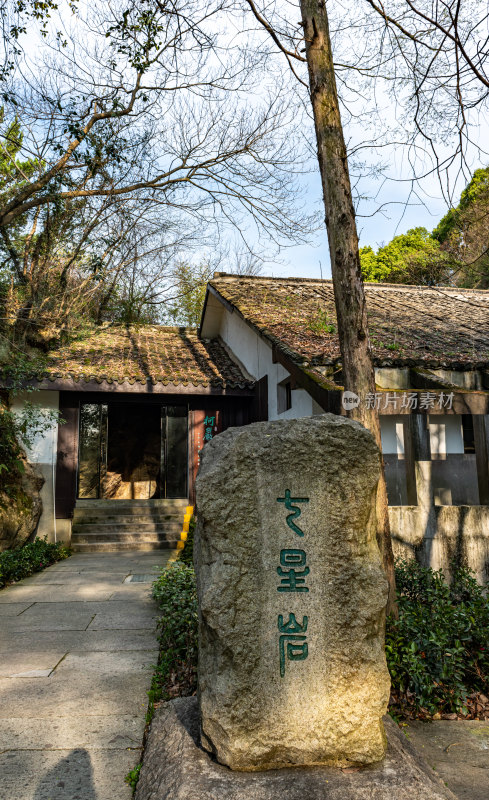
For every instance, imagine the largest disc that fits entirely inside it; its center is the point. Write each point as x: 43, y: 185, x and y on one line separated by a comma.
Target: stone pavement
x: 459, y: 753
x: 77, y: 643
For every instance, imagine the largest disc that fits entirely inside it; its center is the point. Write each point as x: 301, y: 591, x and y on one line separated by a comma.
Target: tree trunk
x: 356, y: 354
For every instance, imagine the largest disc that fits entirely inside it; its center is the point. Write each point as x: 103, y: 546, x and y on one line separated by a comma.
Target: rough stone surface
x: 265, y: 705
x: 175, y: 767
x: 17, y: 525
x: 459, y: 752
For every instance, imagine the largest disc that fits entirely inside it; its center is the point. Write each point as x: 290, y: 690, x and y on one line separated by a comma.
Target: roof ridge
x: 368, y: 284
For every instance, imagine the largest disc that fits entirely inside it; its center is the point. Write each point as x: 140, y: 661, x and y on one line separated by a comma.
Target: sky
x: 312, y: 259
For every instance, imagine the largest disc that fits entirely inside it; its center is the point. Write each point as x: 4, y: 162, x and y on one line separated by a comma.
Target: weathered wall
x: 42, y: 454
x: 438, y: 534
x: 256, y: 356
x: 19, y: 518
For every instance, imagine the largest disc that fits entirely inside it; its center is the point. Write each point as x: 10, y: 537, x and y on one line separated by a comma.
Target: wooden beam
x: 409, y: 439
x: 481, y: 431
x: 67, y: 457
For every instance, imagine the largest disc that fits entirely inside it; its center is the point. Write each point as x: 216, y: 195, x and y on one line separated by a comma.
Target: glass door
x: 92, y: 462
x: 174, y: 451
x: 132, y: 451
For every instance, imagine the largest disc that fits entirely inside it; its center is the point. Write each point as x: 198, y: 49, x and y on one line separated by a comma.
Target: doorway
x: 131, y: 451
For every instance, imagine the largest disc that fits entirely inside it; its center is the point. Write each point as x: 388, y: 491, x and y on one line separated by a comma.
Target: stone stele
x: 291, y: 596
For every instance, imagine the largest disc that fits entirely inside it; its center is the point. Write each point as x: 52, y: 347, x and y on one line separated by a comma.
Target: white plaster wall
x: 392, y: 434
x: 43, y: 455
x: 446, y: 436
x: 256, y: 357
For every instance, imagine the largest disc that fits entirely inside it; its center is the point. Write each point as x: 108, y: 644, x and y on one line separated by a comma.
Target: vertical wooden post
x: 481, y: 441
x: 67, y: 456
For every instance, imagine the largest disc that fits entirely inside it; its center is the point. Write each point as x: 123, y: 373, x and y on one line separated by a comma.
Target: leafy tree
x: 464, y: 232
x: 190, y: 288
x: 414, y: 257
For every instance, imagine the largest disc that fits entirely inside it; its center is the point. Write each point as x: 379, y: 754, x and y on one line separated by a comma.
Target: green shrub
x: 33, y: 557
x: 176, y: 672
x: 438, y: 649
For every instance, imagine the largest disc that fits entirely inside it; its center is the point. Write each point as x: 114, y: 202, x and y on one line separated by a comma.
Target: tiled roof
x: 409, y: 325
x: 148, y: 353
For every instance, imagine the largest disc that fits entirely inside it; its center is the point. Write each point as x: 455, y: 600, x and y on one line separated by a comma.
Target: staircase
x: 107, y: 526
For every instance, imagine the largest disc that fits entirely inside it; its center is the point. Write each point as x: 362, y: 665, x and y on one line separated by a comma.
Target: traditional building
x: 431, y: 355
x: 138, y: 404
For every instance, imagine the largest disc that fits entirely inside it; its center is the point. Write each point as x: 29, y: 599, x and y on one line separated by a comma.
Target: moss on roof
x: 148, y: 353
x: 432, y: 327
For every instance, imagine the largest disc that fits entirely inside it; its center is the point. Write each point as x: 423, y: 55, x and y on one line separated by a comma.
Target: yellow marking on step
x: 184, y: 533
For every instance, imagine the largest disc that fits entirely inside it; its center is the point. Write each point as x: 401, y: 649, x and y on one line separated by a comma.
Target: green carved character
x: 296, y: 511
x: 292, y: 579
x: 292, y: 644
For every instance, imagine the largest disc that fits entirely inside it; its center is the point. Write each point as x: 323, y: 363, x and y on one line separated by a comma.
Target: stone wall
x: 437, y: 534
x: 42, y: 456
x: 19, y: 516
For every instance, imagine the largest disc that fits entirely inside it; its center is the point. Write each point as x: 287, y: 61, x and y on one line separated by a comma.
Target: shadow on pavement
x: 70, y: 779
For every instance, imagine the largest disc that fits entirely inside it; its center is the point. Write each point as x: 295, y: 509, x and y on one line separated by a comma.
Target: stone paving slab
x: 73, y: 577
x: 107, y: 663
x: 13, y: 663
x: 77, y: 774
x: 130, y: 590
x: 50, y: 617
x: 13, y: 609
x: 57, y: 593
x: 81, y: 695
x: 72, y: 727
x: 84, y: 640
x: 459, y: 753
x: 97, y: 733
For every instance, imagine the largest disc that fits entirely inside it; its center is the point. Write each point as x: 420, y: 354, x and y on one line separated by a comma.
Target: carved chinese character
x: 292, y: 645
x: 293, y: 579
x: 207, y: 434
x: 296, y: 511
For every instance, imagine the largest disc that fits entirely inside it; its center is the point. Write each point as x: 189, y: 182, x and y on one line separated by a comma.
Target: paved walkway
x: 76, y: 647
x: 458, y: 751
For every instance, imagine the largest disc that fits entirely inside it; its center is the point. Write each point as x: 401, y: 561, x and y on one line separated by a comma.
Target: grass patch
x: 321, y: 323
x: 132, y: 777
x: 34, y: 557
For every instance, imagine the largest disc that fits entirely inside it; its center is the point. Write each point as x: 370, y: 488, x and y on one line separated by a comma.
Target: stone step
x: 168, y: 505
x: 117, y: 547
x: 117, y: 536
x: 86, y: 517
x: 149, y: 526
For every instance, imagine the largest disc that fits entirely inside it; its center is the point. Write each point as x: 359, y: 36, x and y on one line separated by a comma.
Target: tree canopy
x: 456, y: 252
